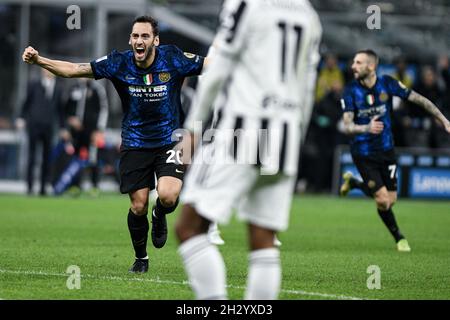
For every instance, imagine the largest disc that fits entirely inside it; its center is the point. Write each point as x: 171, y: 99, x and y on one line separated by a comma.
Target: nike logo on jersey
x: 179, y: 171
x: 127, y: 77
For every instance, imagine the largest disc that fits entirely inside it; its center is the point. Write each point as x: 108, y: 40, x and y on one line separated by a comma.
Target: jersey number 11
x: 286, y: 30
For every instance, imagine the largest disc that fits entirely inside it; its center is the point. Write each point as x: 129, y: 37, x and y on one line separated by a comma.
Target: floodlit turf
x: 325, y: 254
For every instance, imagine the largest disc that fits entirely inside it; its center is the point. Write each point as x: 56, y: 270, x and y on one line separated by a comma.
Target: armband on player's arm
x: 209, y: 57
x: 59, y: 68
x: 430, y: 107
x: 206, y: 62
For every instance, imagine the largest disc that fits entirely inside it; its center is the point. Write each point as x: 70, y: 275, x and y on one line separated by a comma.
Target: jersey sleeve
x: 230, y: 38
x: 189, y: 64
x: 106, y: 66
x: 347, y: 100
x: 227, y: 44
x: 396, y: 88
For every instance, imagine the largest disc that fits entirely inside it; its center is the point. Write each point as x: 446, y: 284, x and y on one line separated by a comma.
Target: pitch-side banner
x: 421, y: 173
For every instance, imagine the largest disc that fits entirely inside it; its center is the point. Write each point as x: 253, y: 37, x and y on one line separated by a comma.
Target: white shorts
x: 215, y: 189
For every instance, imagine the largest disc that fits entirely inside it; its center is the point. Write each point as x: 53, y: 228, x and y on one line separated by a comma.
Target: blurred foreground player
x: 265, y: 63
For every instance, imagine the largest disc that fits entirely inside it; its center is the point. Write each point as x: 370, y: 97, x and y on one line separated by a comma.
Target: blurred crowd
x: 412, y: 126
x: 64, y: 132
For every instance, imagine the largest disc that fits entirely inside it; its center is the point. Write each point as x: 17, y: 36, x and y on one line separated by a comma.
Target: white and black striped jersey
x: 264, y: 65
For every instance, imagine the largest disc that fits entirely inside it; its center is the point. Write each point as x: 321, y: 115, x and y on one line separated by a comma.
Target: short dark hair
x: 371, y: 54
x: 148, y: 19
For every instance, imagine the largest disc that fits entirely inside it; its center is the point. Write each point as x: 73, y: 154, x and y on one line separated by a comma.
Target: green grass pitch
x: 325, y: 254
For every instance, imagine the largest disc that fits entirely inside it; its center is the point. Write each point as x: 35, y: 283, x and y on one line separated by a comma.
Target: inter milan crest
x: 384, y: 97
x: 148, y: 79
x: 370, y: 99
x: 164, y: 76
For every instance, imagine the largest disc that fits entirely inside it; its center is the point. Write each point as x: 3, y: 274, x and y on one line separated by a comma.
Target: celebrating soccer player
x: 367, y: 105
x: 148, y: 79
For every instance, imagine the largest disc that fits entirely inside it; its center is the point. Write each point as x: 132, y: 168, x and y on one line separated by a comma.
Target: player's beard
x: 361, y: 75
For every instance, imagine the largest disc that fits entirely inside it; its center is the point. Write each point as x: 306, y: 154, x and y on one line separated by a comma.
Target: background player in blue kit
x: 148, y: 79
x: 367, y: 105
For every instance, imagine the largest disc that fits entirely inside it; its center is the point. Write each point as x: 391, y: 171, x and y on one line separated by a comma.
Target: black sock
x: 389, y: 220
x: 358, y: 184
x: 138, y: 226
x: 160, y: 209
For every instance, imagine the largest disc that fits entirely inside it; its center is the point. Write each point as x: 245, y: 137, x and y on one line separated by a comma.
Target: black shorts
x: 378, y: 170
x: 138, y: 167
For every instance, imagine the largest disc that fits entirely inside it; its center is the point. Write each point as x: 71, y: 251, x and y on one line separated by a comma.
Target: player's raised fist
x: 30, y: 55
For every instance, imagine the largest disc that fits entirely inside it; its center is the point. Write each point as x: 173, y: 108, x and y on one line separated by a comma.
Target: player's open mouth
x: 140, y: 52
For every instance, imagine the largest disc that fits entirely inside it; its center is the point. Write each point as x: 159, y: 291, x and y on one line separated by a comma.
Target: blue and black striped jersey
x: 150, y: 97
x: 367, y: 103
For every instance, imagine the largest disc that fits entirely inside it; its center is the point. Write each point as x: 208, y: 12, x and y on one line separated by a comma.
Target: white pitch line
x: 185, y: 283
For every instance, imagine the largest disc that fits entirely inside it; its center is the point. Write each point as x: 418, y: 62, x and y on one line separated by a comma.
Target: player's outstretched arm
x: 350, y: 128
x: 429, y: 107
x: 59, y: 68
